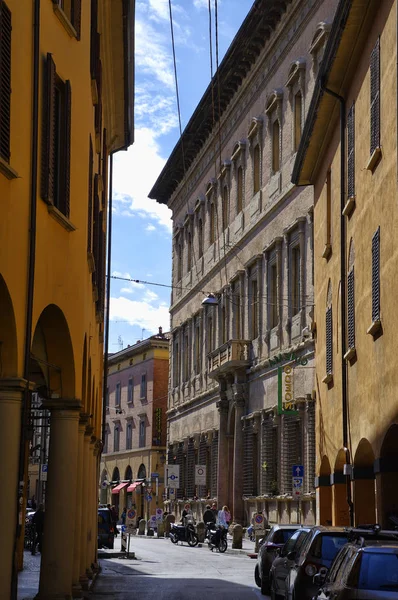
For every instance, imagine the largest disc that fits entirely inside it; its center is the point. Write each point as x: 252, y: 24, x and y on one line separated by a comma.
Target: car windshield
x: 379, y: 571
x: 294, y: 543
x: 328, y: 545
x: 281, y: 536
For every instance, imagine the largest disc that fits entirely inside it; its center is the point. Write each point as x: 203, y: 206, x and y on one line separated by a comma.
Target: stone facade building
x: 135, y: 432
x: 241, y: 398
x: 349, y: 153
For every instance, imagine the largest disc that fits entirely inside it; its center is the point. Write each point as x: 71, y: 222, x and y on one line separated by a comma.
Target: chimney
x: 160, y: 331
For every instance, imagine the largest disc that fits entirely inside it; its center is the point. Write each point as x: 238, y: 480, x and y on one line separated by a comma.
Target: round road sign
x: 131, y: 513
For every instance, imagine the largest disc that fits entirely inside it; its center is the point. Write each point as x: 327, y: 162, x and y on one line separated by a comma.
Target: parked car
x: 276, y: 538
x: 365, y: 568
x: 317, y: 553
x: 106, y: 532
x: 282, y: 563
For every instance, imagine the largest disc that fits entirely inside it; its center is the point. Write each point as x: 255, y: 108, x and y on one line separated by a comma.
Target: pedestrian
x: 208, y: 515
x: 33, y: 504
x: 114, y: 517
x: 224, y: 517
x: 38, y: 523
x: 215, y: 511
x: 123, y: 517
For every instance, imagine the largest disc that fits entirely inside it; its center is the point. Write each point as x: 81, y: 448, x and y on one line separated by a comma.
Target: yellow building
x: 349, y: 153
x: 65, y: 105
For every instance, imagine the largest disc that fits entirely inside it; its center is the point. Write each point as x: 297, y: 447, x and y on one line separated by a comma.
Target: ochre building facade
x: 65, y: 105
x: 242, y: 399
x: 349, y: 154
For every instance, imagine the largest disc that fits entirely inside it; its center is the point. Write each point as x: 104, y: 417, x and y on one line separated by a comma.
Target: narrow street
x: 165, y: 571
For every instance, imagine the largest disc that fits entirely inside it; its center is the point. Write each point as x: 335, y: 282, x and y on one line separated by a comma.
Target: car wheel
x: 257, y: 578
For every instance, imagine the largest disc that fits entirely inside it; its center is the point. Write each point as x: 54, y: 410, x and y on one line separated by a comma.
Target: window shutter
x: 329, y: 341
x: 5, y: 80
x: 351, y: 152
x: 351, y: 309
x: 96, y: 231
x: 47, y: 164
x: 68, y: 119
x: 375, y: 97
x: 376, y: 276
x: 90, y: 198
x: 94, y: 51
x: 104, y: 169
x: 77, y: 16
x: 98, y: 106
x: 101, y: 265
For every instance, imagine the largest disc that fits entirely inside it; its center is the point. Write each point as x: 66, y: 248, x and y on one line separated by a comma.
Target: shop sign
x: 286, y: 404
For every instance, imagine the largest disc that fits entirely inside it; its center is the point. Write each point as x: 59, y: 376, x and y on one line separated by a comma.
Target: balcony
x: 234, y: 354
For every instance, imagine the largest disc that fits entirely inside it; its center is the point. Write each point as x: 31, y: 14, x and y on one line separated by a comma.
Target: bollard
x: 167, y: 524
x: 201, y: 531
x: 141, y: 527
x: 123, y: 544
x: 237, y: 533
x: 160, y: 529
x: 150, y: 532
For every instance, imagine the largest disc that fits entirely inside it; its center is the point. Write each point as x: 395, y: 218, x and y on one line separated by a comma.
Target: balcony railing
x: 234, y: 354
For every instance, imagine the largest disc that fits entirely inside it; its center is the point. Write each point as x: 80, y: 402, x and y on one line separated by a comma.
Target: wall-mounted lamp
x: 210, y: 300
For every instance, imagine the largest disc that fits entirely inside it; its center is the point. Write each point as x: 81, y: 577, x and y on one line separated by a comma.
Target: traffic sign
x: 200, y: 475
x: 149, y: 497
x: 172, y: 476
x: 44, y: 470
x: 159, y: 514
x: 298, y: 471
x: 298, y: 484
x: 259, y: 522
x: 154, y: 475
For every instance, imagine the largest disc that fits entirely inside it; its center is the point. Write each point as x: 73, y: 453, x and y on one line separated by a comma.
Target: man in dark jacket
x: 208, y: 515
x: 38, y: 523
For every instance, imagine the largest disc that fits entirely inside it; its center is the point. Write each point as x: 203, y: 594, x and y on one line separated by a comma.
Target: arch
x: 53, y: 353
x: 116, y: 474
x: 104, y: 475
x: 364, y: 484
x: 387, y: 478
x: 341, y: 514
x: 103, y: 489
x: 8, y: 342
x: 141, y: 474
x: 89, y: 389
x: 325, y: 493
x: 128, y: 474
x: 84, y: 375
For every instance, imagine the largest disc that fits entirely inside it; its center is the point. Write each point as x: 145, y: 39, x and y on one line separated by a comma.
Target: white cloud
x: 150, y: 228
x: 140, y: 313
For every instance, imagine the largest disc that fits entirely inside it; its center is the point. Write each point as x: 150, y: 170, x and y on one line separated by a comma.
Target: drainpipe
x: 343, y: 279
x: 107, y: 301
x: 30, y: 286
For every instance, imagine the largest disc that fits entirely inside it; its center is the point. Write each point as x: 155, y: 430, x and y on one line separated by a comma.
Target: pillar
x: 56, y: 571
x: 11, y: 394
x: 79, y: 507
x: 237, y: 493
x: 84, y: 529
x: 222, y: 467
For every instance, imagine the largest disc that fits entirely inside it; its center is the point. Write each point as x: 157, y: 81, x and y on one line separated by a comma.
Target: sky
x: 141, y: 231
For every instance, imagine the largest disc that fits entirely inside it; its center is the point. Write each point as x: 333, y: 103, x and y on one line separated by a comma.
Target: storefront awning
x: 119, y: 487
x: 133, y: 486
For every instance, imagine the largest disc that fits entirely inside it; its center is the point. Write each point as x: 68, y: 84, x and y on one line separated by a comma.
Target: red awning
x: 133, y: 486
x: 119, y: 487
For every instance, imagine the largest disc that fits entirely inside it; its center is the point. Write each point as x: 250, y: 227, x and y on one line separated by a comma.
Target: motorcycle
x: 183, y: 533
x: 217, y: 537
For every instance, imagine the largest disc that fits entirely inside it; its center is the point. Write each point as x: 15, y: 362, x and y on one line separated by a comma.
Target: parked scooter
x: 216, y: 537
x: 183, y: 533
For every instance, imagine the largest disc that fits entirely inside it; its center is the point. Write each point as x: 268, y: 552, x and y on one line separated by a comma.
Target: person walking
x: 224, y: 517
x: 38, y: 524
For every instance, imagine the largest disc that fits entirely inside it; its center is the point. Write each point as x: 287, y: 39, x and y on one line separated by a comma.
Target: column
x: 222, y: 467
x: 56, y: 571
x: 11, y: 395
x: 237, y: 493
x: 303, y: 270
x: 84, y: 529
x: 79, y: 506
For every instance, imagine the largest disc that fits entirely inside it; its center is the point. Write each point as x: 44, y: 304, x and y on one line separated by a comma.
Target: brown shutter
x: 5, y: 80
x: 351, y: 309
x: 104, y: 169
x: 68, y: 118
x: 77, y: 16
x: 48, y: 111
x: 98, y: 106
x: 375, y: 98
x: 329, y: 341
x: 96, y: 216
x: 93, y: 38
x: 376, y: 276
x: 90, y: 198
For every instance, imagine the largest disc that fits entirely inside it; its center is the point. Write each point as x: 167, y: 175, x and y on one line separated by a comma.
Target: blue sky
x: 141, y: 245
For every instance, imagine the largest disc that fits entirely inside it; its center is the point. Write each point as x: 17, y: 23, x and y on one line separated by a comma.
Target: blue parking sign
x: 298, y: 471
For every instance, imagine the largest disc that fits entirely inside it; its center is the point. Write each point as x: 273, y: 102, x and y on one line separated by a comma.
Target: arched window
x: 141, y: 472
x: 189, y: 259
x: 239, y: 195
x: 179, y: 261
x: 275, y: 146
x: 225, y: 208
x: 200, y: 238
x: 129, y: 473
x: 115, y: 474
x: 256, y: 169
x: 212, y: 223
x: 298, y: 107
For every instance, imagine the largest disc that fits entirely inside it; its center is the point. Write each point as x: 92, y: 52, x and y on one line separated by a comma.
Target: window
x: 176, y: 362
x: 118, y: 394
x: 179, y: 262
x: 130, y: 391
x: 186, y: 355
x: 236, y: 307
x: 239, y: 196
x: 5, y: 80
x: 200, y: 237
x: 327, y: 251
x: 351, y: 153
x: 225, y: 208
x: 376, y: 276
x: 189, y: 259
x: 212, y: 232
x: 116, y: 438
x: 143, y: 387
x: 275, y: 147
x: 198, y: 346
x: 273, y: 295
x: 224, y: 324
x: 210, y: 334
x: 375, y: 98
x: 254, y: 308
x: 298, y: 107
x: 256, y: 169
x: 106, y: 443
x: 329, y: 341
x: 295, y: 279
x: 142, y: 440
x: 129, y: 436
x: 107, y: 397
x: 55, y: 168
x: 90, y: 199
x: 351, y: 309
x: 72, y: 11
